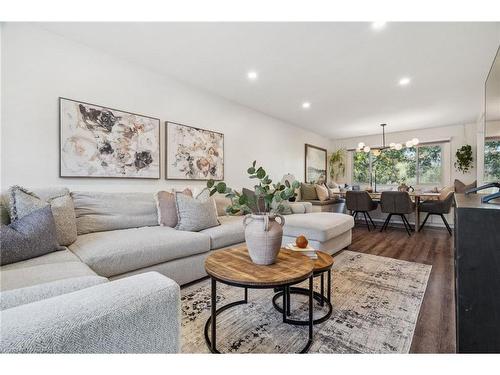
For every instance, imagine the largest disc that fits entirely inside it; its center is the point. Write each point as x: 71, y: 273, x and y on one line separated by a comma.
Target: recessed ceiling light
x: 306, y: 105
x: 378, y: 25
x: 252, y: 75
x: 404, y: 81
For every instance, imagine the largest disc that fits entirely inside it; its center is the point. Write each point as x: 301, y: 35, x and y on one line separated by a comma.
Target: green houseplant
x: 263, y: 234
x: 464, y: 159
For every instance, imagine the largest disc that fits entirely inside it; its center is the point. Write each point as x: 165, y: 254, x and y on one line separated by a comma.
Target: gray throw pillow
x: 28, y: 237
x: 195, y: 214
x: 23, y: 202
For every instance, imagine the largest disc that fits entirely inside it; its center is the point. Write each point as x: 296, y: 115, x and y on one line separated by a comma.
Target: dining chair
x: 396, y: 203
x: 438, y: 207
x: 361, y: 201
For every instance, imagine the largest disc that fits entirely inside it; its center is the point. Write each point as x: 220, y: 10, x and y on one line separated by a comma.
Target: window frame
x: 488, y: 139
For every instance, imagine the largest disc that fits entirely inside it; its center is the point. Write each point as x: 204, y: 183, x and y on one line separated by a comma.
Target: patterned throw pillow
x: 31, y: 236
x: 23, y: 202
x: 165, y: 202
x: 195, y: 214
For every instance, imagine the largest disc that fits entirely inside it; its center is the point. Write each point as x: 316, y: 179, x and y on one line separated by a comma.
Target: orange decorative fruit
x: 301, y: 242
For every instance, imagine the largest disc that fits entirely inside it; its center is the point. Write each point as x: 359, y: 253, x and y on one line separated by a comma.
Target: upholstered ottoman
x: 326, y: 231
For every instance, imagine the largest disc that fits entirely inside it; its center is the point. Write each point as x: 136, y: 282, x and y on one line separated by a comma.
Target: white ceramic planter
x: 263, y: 236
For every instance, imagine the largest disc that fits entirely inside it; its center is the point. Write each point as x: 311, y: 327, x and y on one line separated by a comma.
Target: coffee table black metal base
x: 321, y: 298
x: 211, y: 339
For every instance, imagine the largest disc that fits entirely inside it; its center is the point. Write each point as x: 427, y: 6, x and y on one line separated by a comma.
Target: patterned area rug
x: 376, y: 301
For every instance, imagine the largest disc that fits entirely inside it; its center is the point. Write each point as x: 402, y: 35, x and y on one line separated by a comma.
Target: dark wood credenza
x: 477, y: 274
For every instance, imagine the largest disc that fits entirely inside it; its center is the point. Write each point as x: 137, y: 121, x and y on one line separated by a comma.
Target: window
x: 421, y: 165
x: 361, y: 167
x: 492, y: 160
x: 429, y: 164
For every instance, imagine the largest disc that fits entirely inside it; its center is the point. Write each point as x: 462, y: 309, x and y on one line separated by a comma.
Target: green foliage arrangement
x: 464, y: 158
x: 337, y: 164
x: 273, y: 195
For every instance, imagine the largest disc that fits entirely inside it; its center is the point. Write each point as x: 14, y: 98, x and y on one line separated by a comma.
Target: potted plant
x: 263, y: 234
x: 464, y: 158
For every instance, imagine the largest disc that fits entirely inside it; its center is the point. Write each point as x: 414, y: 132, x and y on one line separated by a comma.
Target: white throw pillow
x: 322, y: 191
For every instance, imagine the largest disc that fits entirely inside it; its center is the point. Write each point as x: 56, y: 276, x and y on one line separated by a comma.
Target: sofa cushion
x: 98, y: 212
x: 308, y: 192
x: 229, y: 232
x: 24, y: 202
x: 55, y: 257
x: 195, y: 214
x: 221, y: 203
x: 319, y: 226
x: 461, y: 188
x: 325, y: 203
x: 114, y: 252
x: 165, y: 203
x: 21, y: 296
x: 23, y: 277
x: 322, y: 192
x: 29, y: 237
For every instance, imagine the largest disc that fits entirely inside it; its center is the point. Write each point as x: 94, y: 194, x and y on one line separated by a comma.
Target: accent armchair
x: 438, y: 207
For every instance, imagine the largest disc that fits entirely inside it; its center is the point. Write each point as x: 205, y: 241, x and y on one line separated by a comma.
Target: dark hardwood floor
x: 435, y: 330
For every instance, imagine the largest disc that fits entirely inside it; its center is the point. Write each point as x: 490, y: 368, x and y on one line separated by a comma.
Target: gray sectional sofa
x: 116, y: 288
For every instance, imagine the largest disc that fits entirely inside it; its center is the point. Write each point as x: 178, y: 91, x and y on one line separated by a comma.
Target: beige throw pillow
x: 322, y: 192
x: 165, y: 203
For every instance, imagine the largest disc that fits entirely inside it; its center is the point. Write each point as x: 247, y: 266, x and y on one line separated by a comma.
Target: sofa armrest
x: 138, y: 314
x: 301, y: 207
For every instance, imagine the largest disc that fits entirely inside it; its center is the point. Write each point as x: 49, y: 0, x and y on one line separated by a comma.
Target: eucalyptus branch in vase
x: 273, y: 195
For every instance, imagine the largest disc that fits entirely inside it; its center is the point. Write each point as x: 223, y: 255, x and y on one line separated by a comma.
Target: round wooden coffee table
x: 322, y: 265
x: 234, y: 267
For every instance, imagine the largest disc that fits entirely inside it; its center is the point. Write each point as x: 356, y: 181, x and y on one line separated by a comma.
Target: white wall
x: 457, y: 134
x: 38, y: 67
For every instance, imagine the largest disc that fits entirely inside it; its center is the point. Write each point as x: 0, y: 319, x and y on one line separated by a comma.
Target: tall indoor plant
x: 263, y: 234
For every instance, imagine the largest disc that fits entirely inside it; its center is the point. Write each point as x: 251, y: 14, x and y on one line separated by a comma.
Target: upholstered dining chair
x: 438, y: 207
x: 361, y: 201
x: 397, y: 203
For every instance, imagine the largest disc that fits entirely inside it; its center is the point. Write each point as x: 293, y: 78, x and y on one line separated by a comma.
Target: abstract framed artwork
x: 97, y: 141
x: 193, y: 153
x: 315, y: 164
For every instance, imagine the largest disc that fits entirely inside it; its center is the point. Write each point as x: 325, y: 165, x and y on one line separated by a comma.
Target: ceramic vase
x: 263, y: 236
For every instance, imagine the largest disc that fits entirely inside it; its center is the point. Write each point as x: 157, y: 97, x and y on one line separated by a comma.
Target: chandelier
x: 392, y: 146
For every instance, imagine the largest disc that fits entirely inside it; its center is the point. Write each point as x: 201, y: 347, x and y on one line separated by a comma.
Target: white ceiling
x: 348, y: 71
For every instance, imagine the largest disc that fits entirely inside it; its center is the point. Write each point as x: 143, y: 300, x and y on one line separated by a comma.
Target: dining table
x: 416, y: 196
